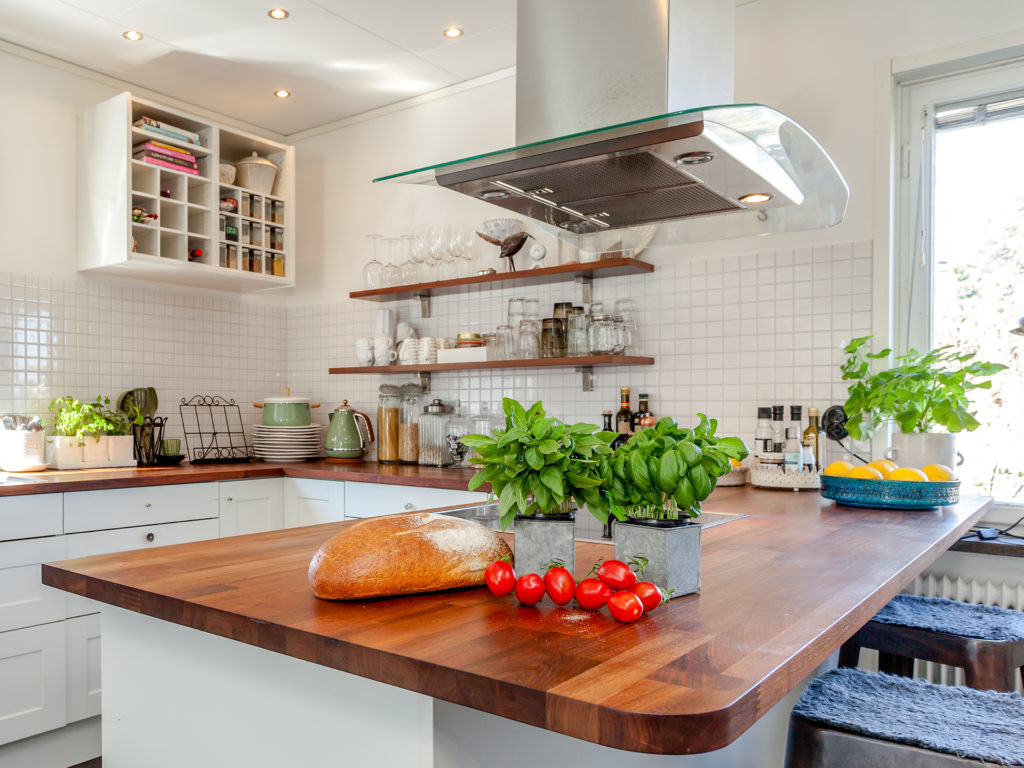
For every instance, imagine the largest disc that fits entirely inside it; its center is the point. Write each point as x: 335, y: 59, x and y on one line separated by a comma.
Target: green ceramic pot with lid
x: 287, y: 411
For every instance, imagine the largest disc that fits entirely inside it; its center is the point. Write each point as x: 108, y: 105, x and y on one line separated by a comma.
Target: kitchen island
x: 782, y: 589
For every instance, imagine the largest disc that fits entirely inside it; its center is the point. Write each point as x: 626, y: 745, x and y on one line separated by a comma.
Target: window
x: 960, y: 254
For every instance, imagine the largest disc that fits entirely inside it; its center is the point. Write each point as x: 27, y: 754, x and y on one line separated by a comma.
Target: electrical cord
x: 856, y: 456
x: 998, y: 531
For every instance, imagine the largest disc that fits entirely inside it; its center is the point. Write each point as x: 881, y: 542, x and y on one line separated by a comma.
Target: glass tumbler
x: 504, y: 343
x: 626, y: 309
x: 515, y: 317
x: 577, y: 342
x: 529, y: 339
x: 601, y: 335
x: 531, y: 309
x: 552, y: 338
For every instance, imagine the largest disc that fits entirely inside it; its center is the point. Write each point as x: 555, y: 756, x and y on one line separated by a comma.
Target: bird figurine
x: 510, y: 246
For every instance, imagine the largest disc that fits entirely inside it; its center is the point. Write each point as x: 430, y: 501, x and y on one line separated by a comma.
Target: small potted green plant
x: 89, y: 435
x: 654, y: 485
x: 538, y: 467
x: 922, y: 392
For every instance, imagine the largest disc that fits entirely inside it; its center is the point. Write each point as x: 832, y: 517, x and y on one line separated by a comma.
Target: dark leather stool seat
x: 987, y: 642
x: 849, y: 718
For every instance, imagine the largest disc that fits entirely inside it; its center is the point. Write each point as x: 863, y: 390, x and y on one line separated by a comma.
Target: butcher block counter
x: 783, y: 587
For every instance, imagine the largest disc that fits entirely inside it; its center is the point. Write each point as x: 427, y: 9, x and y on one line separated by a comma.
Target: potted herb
x: 924, y: 391
x: 654, y: 485
x: 538, y: 466
x: 89, y: 435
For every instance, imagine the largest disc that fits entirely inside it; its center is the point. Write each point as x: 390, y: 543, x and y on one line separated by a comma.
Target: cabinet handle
x: 228, y: 499
x: 150, y: 536
x: 409, y: 505
x: 147, y: 505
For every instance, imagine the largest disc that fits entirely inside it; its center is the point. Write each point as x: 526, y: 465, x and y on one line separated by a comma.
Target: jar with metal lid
x: 456, y: 428
x: 622, y: 336
x: 602, y: 335
x: 409, y: 424
x: 389, y: 404
x: 433, y: 436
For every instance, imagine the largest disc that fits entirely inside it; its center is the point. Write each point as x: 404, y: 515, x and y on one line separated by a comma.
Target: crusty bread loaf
x: 403, y: 554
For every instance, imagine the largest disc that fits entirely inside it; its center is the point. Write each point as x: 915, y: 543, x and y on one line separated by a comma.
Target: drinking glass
x: 531, y: 309
x: 515, y: 317
x: 626, y: 309
x: 577, y: 343
x: 504, y: 343
x: 552, y: 338
x: 529, y: 339
x: 373, y: 272
x: 601, y: 335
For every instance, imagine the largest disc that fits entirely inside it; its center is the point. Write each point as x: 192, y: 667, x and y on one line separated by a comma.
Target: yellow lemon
x: 867, y: 472
x: 733, y: 462
x: 938, y: 472
x: 838, y: 468
x: 908, y: 473
x: 884, y: 466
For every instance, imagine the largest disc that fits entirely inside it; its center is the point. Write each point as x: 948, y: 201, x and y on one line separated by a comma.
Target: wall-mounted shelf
x: 583, y: 365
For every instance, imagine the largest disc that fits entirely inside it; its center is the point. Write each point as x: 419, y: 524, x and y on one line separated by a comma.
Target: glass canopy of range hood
x: 677, y: 178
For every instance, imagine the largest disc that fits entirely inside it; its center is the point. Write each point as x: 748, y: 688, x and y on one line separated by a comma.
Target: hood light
x: 756, y: 197
x: 132, y: 35
x: 452, y: 32
x: 694, y: 158
x: 278, y: 14
x: 494, y: 194
x: 281, y: 93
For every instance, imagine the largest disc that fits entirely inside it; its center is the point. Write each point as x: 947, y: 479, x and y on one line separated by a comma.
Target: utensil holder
x: 149, y: 437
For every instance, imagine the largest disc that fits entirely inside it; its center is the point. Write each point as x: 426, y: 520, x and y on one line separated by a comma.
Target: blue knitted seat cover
x: 986, y: 622
x: 979, y: 725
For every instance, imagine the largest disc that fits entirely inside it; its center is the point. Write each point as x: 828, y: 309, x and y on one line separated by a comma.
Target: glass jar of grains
x: 389, y: 403
x: 409, y: 424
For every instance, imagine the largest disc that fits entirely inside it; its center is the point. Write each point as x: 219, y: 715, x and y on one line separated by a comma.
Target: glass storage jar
x: 602, y: 335
x: 409, y: 424
x: 457, y: 427
x: 433, y: 443
x: 389, y: 403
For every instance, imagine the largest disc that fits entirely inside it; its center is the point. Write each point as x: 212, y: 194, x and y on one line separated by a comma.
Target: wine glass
x: 471, y: 245
x: 392, y: 274
x: 411, y: 270
x: 373, y: 272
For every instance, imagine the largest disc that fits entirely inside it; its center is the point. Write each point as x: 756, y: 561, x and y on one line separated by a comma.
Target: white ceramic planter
x: 919, y: 449
x: 90, y: 453
x: 22, y: 451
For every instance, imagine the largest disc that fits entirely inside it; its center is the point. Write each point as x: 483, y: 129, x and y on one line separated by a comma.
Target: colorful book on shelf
x: 165, y: 164
x: 150, y: 123
x: 161, y: 132
x: 164, y: 149
x: 178, y: 161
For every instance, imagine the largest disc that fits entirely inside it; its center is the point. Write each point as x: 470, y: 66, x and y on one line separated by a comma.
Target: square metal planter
x: 672, y: 552
x: 539, y: 540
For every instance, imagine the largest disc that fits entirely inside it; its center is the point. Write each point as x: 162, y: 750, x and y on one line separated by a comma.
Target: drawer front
x: 22, y: 517
x: 311, y: 502
x: 83, y: 670
x: 124, y: 539
x: 373, y: 499
x: 24, y: 601
x: 124, y: 507
x: 32, y: 674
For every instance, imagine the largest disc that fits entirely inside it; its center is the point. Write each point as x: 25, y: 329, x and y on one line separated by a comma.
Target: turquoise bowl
x: 890, y: 494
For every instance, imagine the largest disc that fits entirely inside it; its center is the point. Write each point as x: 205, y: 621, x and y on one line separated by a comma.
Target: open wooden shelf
x: 591, y: 361
x: 561, y: 273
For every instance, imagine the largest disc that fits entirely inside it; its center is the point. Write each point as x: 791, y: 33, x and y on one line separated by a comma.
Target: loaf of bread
x: 403, y: 554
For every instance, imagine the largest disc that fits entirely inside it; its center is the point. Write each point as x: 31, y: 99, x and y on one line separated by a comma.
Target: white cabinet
x: 32, y: 675
x: 24, y: 600
x: 251, y: 506
x: 310, y: 502
x: 23, y: 517
x: 373, y: 499
x: 188, y: 243
x: 122, y: 507
x: 82, y: 636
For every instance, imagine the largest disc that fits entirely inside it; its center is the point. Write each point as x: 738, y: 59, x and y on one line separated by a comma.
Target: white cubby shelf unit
x: 187, y: 243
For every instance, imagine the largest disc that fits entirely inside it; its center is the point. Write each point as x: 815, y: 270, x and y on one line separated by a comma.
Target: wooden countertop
x: 451, y: 478
x: 782, y: 589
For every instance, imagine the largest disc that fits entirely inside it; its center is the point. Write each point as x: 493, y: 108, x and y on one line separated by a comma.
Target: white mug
x: 409, y: 351
x: 383, y: 342
x: 364, y: 343
x: 384, y: 355
x: 364, y: 356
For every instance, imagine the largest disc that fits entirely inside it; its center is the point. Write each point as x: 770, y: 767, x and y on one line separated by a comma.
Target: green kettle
x: 345, y: 439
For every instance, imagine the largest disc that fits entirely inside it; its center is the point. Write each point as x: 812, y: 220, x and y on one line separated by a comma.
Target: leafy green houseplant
x: 665, y: 473
x: 73, y: 418
x: 921, y: 392
x: 537, y: 464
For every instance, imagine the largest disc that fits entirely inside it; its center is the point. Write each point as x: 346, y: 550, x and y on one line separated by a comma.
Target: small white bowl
x: 499, y: 229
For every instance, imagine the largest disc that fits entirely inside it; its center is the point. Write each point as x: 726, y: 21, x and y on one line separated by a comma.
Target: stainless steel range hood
x: 586, y: 69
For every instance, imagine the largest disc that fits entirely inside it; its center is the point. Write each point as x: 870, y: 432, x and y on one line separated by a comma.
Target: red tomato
x: 592, y: 594
x: 529, y: 589
x: 500, y: 578
x: 625, y: 606
x: 650, y: 594
x: 616, y: 574
x: 560, y: 585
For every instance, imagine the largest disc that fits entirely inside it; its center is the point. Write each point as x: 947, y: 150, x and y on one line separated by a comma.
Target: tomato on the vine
x: 500, y: 577
x: 616, y: 574
x: 529, y: 589
x: 592, y: 594
x: 625, y: 606
x: 650, y: 594
x: 559, y: 583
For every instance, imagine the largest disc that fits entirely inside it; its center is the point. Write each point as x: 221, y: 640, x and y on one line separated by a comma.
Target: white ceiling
x: 337, y: 57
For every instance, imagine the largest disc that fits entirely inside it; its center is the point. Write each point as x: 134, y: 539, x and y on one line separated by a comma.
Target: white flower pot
x: 919, y: 449
x: 121, y: 450
x: 64, y: 452
x: 94, y: 450
x: 90, y: 453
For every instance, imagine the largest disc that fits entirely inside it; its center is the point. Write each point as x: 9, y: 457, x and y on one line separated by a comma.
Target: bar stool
x: 849, y: 718
x: 986, y: 641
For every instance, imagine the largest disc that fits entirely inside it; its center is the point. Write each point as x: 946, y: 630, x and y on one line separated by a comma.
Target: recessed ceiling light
x: 756, y: 197
x: 281, y: 93
x: 132, y: 35
x: 452, y: 32
x: 277, y: 13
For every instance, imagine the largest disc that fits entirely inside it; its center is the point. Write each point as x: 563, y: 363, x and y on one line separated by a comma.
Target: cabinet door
x: 31, y: 681
x: 373, y: 499
x: 24, y: 600
x: 150, y: 505
x: 124, y: 539
x: 24, y: 517
x: 82, y: 636
x: 310, y: 502
x: 251, y: 506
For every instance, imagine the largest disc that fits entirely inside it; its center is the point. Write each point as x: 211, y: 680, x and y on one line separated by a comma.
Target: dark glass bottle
x: 778, y: 428
x: 624, y: 418
x: 643, y: 418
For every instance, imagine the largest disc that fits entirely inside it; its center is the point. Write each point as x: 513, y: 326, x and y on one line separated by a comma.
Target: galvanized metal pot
x: 672, y: 549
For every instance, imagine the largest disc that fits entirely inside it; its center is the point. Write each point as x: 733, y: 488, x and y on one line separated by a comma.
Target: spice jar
x: 456, y: 428
x: 389, y: 403
x: 409, y: 424
x: 433, y: 436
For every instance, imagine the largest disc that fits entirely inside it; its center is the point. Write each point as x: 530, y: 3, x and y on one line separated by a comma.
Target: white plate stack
x: 288, y: 443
